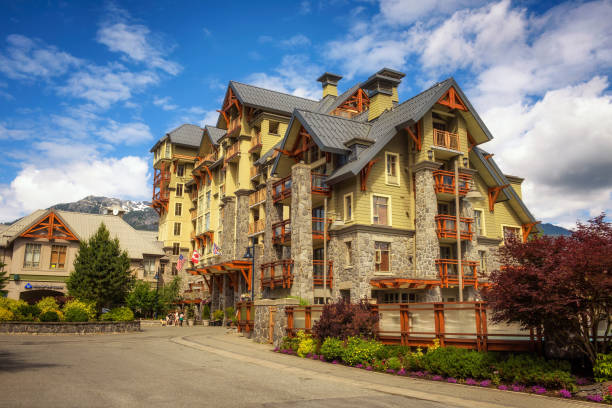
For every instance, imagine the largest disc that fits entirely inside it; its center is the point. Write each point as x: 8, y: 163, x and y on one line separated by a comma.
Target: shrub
x: 602, y: 370
x: 531, y: 370
x: 11, y: 304
x: 413, y: 361
x: 458, y: 363
x: 394, y: 363
x: 306, y: 344
x: 290, y: 343
x: 342, y: 320
x: 332, y: 348
x: 119, y: 314
x: 206, y: 312
x: 75, y: 314
x: 47, y: 303
x: 87, y: 307
x: 49, y: 316
x: 6, y: 315
x: 218, y: 315
x: 361, y: 351
x: 27, y: 313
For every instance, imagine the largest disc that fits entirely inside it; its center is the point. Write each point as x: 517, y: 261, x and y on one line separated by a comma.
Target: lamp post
x: 158, y: 278
x: 250, y: 254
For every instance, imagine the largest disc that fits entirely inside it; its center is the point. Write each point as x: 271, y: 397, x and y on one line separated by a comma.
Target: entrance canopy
x: 233, y: 269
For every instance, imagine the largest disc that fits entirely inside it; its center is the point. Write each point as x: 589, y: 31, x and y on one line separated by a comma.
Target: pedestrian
x: 176, y: 318
x: 181, y: 317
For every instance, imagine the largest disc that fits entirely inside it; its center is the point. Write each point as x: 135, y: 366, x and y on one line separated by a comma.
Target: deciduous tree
x: 3, y: 280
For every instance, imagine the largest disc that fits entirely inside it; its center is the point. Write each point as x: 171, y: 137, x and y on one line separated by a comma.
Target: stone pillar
x: 426, y: 208
x: 214, y: 296
x: 228, y: 239
x: 242, y: 223
x: 301, y: 232
x: 273, y: 214
x: 259, y: 259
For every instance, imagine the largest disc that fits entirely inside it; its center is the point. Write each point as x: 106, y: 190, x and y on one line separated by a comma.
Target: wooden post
x: 439, y: 321
x: 249, y: 307
x: 404, y: 324
x: 307, y: 319
x: 289, y: 313
x: 478, y: 326
x: 377, y: 326
x: 484, y: 326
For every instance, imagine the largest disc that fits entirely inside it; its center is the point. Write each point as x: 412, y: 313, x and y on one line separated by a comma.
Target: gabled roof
x: 83, y: 225
x: 338, y: 100
x: 268, y: 155
x: 215, y: 134
x: 270, y: 100
x: 331, y: 132
x: 184, y: 135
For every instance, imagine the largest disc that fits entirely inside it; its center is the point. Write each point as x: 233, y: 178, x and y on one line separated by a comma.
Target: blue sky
x: 86, y: 88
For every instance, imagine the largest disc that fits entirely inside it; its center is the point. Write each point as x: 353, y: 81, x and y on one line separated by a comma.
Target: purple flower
x: 315, y: 357
x: 335, y: 362
x: 417, y: 374
x: 538, y: 390
x: 485, y: 383
x: 308, y: 355
x: 595, y: 398
x: 582, y: 381
x: 276, y: 349
x: 359, y: 365
x: 451, y: 380
x: 391, y: 371
x: 471, y: 381
x: 437, y: 378
x: 321, y: 358
x: 401, y: 371
x: 565, y: 393
x: 369, y: 368
x: 518, y: 387
x: 503, y: 387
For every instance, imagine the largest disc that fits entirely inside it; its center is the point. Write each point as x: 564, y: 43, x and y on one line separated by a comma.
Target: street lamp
x: 158, y: 278
x: 250, y: 254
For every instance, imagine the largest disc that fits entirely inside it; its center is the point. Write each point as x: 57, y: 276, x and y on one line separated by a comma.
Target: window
x: 177, y: 228
x: 180, y: 170
x: 178, y: 208
x: 392, y: 174
x: 482, y: 255
x: 511, y: 232
x: 349, y: 253
x: 32, y: 256
x: 167, y: 149
x: 176, y: 248
x: 381, y: 260
x: 58, y: 257
x: 273, y: 128
x: 348, y: 207
x: 149, y: 267
x: 380, y: 210
x: 208, y: 199
x: 179, y: 190
x: 478, y: 222
x: 207, y: 222
x: 443, y: 209
x: 174, y: 271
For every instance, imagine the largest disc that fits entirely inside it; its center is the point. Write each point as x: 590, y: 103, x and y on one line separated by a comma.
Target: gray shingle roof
x: 215, y: 134
x: 187, y: 135
x: 267, y: 155
x: 271, y: 100
x: 339, y: 100
x: 331, y: 132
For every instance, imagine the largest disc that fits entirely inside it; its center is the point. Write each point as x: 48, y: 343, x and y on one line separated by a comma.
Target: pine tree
x: 3, y: 280
x: 101, y: 271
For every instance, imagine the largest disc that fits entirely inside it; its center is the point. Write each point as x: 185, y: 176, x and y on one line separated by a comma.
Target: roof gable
x: 50, y: 227
x: 187, y: 135
x: 270, y: 100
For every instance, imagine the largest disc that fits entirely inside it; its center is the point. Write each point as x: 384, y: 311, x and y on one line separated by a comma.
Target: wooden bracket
x: 418, y: 141
x: 471, y: 141
x: 528, y: 228
x: 365, y: 172
x: 50, y: 227
x: 452, y: 100
x: 493, y: 194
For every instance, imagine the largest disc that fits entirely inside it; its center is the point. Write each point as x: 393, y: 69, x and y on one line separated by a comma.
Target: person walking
x: 181, y: 317
x: 176, y: 318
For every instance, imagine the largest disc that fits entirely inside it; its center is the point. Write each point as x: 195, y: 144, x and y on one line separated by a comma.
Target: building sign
x: 37, y: 286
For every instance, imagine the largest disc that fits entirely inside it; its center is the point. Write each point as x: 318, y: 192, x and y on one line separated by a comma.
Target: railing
x: 445, y: 182
x: 232, y: 151
x: 257, y: 197
x: 245, y: 316
x: 162, y: 176
x: 256, y: 227
x: 447, y: 228
x: 465, y: 325
x: 281, y: 232
x: 233, y: 125
x: 256, y: 142
x: 281, y: 189
x: 446, y: 139
x: 254, y: 171
x: 318, y: 225
x: 319, y: 184
x: 318, y: 271
x: 447, y: 269
x: 277, y: 274
x: 162, y: 195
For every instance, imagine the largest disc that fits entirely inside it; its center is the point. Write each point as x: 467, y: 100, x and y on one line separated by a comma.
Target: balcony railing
x: 446, y: 139
x: 319, y: 184
x: 447, y: 228
x: 448, y: 268
x: 232, y: 151
x: 318, y: 272
x: 256, y: 227
x: 281, y: 232
x: 161, y: 177
x: 233, y: 126
x: 445, y: 182
x: 318, y: 225
x: 256, y: 143
x: 277, y: 274
x: 281, y: 189
x: 257, y: 197
x: 254, y: 172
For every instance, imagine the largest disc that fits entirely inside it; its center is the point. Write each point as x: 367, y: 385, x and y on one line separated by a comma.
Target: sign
x: 28, y: 285
x: 43, y: 286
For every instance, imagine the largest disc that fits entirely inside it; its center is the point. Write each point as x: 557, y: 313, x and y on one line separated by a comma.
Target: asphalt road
x: 204, y: 366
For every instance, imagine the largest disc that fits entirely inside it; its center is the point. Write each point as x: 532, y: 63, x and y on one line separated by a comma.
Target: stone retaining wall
x: 69, y: 327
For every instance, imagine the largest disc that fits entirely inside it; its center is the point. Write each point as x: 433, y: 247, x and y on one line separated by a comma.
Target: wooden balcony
x: 254, y: 172
x: 448, y: 272
x: 194, y: 214
x: 281, y: 190
x: 281, y: 232
x: 234, y: 127
x: 256, y: 143
x: 319, y: 184
x: 318, y: 272
x: 318, y: 225
x: 445, y: 182
x: 257, y: 197
x: 232, y: 153
x: 257, y: 227
x: 277, y: 274
x: 448, y: 140
x: 447, y: 229
x: 209, y: 159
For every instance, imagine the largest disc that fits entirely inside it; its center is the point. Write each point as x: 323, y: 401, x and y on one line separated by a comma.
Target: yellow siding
x: 378, y: 104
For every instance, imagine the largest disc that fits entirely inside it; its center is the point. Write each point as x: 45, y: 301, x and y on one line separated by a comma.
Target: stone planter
x: 69, y: 327
x: 205, y: 322
x: 190, y: 322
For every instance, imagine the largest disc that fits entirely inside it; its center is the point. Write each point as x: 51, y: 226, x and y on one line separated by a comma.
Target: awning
x: 407, y: 283
x: 233, y: 269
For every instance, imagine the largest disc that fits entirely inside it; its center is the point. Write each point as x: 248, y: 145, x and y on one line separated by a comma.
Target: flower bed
x: 515, y: 373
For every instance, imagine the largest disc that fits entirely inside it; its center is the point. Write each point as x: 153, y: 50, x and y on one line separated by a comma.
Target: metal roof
x: 215, y: 134
x: 185, y: 135
x: 271, y: 100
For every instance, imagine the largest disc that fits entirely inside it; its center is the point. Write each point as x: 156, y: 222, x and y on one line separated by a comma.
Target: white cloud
x: 27, y: 59
x: 37, y: 186
x: 126, y: 133
x: 409, y: 11
x: 298, y: 40
x: 305, y: 7
x: 12, y: 134
x: 164, y: 103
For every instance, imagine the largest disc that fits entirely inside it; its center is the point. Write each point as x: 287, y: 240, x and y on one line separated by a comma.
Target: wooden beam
x: 364, y: 173
x: 528, y: 228
x: 471, y: 141
x: 494, y: 194
x: 416, y: 138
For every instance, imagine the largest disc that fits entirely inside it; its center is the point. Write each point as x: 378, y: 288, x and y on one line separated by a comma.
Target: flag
x: 216, y: 249
x: 195, y: 257
x: 180, y: 262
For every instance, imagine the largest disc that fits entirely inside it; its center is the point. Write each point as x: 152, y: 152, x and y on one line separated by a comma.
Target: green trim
x: 40, y: 278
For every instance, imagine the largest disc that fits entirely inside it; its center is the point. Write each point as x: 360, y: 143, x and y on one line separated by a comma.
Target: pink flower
x: 485, y: 383
x: 503, y: 387
x: 595, y: 398
x: 565, y: 393
x: 437, y: 378
x: 451, y: 380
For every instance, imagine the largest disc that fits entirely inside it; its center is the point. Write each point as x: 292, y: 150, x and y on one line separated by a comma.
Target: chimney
x: 330, y: 83
x: 382, y: 88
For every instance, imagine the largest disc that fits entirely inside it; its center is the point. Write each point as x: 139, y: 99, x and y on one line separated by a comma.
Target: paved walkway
x: 180, y: 367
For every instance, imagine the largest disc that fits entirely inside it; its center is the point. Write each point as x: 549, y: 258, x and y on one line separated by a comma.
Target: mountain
x: 138, y: 214
x: 554, y: 230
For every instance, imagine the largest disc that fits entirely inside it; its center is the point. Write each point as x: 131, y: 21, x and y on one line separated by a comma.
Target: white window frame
x: 174, y: 229
x: 25, y: 256
x: 397, y: 168
x: 347, y: 219
x: 503, y: 237
x: 378, y: 258
x: 482, y: 221
x: 148, y: 261
x: 178, y: 205
x: 389, y: 208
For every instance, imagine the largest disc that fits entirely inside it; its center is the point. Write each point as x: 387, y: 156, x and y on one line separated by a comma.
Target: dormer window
x: 273, y: 128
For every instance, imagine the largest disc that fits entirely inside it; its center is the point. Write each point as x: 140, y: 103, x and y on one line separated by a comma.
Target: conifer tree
x: 101, y: 271
x: 3, y: 280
